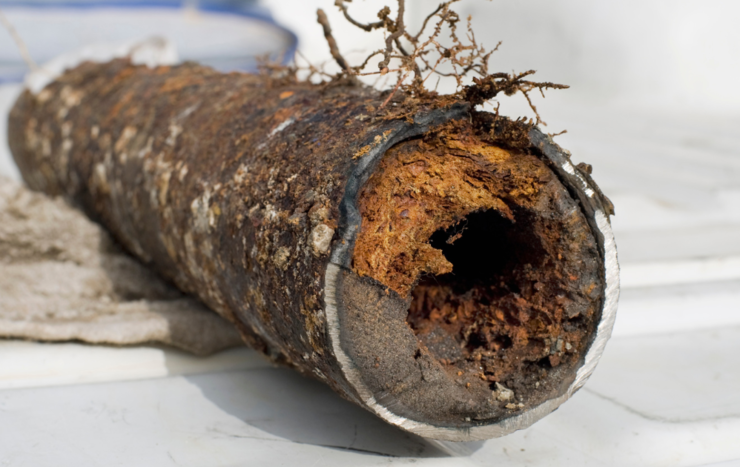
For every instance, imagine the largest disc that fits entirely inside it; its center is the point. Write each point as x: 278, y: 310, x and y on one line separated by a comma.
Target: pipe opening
x: 495, y: 265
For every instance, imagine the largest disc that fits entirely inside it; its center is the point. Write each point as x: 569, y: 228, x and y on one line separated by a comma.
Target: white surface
x: 680, y: 308
x: 30, y: 364
x: 664, y: 401
x: 667, y: 391
x: 691, y: 271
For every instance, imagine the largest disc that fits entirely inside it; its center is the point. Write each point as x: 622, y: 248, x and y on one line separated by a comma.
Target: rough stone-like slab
x: 63, y: 278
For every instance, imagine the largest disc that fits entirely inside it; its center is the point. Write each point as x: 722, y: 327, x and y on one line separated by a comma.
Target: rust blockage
x: 447, y: 269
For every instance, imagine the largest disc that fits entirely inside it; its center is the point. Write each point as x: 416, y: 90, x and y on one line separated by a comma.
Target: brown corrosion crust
x: 500, y: 263
x: 227, y: 184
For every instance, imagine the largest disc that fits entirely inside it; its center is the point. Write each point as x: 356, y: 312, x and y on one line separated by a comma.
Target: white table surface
x: 667, y: 391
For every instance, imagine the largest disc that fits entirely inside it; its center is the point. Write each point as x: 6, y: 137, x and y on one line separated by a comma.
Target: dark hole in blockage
x: 490, y: 255
x: 478, y: 247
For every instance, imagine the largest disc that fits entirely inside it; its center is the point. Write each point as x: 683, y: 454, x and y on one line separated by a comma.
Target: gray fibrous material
x: 256, y: 195
x: 63, y: 278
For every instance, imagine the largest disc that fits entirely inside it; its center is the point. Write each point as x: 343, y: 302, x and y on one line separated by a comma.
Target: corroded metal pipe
x: 252, y: 194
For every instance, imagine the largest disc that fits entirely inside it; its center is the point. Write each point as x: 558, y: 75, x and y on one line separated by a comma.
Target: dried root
x: 419, y: 58
x: 22, y: 49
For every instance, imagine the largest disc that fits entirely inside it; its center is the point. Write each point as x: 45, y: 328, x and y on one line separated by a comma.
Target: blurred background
x: 652, y: 106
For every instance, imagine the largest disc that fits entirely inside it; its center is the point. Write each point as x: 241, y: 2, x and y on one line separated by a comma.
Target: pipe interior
x: 496, y: 261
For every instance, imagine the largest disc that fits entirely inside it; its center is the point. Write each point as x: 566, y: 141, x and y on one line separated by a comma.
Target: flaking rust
x: 447, y: 269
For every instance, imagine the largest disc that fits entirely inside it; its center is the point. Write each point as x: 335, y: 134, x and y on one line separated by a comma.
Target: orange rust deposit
x: 465, y: 230
x: 423, y: 186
